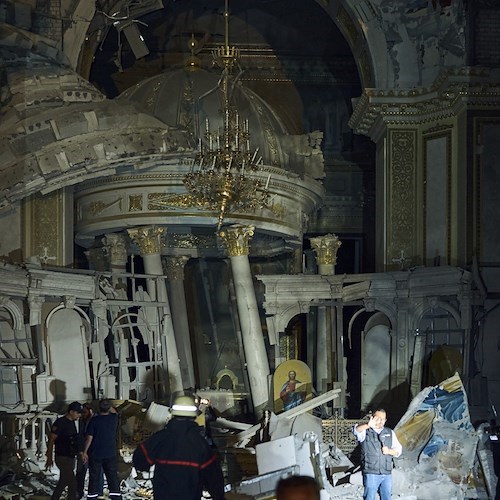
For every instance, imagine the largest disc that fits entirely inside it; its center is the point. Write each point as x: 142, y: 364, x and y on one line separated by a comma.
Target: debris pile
x: 443, y: 455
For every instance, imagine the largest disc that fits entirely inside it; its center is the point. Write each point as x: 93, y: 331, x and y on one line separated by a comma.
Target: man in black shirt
x: 101, y: 434
x: 81, y: 466
x: 64, y: 435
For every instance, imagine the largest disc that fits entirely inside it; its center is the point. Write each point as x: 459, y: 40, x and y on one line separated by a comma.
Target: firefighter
x: 185, y: 465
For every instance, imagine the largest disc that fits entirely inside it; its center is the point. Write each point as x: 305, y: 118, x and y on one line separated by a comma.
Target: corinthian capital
x: 173, y: 267
x: 148, y: 239
x: 116, y: 246
x: 326, y: 248
x: 236, y: 239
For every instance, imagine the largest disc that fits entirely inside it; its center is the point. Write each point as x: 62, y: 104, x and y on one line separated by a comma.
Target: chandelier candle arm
x: 222, y: 177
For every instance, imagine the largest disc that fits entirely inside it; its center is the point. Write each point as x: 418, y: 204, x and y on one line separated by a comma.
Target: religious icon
x: 292, y: 385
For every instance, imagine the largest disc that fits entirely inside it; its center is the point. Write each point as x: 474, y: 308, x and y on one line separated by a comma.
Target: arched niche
x: 68, y: 333
x: 440, y: 343
x: 292, y: 341
x: 136, y: 359
x: 15, y: 352
x: 376, y: 361
x: 370, y: 342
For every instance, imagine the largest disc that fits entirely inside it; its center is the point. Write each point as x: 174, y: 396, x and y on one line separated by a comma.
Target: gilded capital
x: 148, y: 239
x: 173, y: 267
x: 116, y: 245
x: 236, y: 239
x: 326, y: 248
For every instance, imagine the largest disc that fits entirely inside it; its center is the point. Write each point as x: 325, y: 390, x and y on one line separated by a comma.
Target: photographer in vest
x: 379, y: 444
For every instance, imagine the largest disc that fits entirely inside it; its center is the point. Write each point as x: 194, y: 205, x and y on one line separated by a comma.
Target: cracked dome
x: 185, y: 99
x: 56, y: 129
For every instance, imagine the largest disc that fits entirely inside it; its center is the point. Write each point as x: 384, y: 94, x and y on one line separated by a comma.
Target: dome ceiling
x: 276, y: 37
x: 191, y: 99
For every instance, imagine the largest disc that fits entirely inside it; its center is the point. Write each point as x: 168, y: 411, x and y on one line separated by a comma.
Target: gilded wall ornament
x: 44, y: 216
x: 162, y: 201
x: 96, y: 207
x: 402, y: 227
x: 188, y: 241
x: 135, y: 203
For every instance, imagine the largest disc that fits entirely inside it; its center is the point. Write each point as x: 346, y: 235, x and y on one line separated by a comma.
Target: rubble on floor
x: 443, y: 455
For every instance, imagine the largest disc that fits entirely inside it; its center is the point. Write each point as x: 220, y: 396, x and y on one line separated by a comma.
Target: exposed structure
x: 325, y: 194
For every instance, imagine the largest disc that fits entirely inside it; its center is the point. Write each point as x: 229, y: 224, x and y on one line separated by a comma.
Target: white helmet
x: 184, y: 406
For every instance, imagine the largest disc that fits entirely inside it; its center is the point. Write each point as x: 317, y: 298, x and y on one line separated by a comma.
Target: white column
x: 148, y: 240
x: 33, y: 443
x: 174, y: 269
x: 322, y: 350
x: 325, y: 248
x: 236, y: 239
x: 42, y: 442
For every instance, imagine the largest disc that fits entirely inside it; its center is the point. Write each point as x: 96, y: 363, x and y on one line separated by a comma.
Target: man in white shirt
x: 379, y: 444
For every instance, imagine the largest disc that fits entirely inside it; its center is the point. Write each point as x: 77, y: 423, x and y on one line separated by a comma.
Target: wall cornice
x: 453, y: 91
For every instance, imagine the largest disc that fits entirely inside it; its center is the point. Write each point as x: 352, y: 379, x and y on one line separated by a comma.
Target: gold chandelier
x: 221, y: 175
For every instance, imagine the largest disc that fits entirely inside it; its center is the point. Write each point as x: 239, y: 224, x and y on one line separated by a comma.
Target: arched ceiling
x: 277, y: 39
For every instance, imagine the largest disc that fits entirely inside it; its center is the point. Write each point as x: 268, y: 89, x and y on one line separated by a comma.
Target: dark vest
x: 372, y: 458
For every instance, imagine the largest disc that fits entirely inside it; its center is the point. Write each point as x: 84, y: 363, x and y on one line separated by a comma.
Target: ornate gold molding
x: 148, y: 239
x: 236, y: 239
x: 162, y: 201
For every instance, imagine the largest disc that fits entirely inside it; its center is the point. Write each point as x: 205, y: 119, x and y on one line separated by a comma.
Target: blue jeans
x: 377, y: 482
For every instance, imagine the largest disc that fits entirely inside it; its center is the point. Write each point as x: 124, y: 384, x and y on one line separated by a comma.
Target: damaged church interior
x: 227, y: 197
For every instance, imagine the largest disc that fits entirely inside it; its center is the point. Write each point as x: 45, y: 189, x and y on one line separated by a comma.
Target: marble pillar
x: 322, y: 350
x: 149, y: 243
x: 325, y: 248
x: 35, y: 303
x: 174, y: 269
x: 236, y: 239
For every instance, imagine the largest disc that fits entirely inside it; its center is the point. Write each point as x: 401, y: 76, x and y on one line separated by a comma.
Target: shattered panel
x: 439, y: 442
